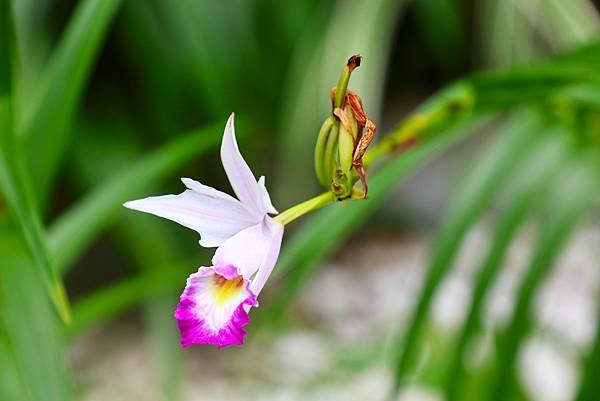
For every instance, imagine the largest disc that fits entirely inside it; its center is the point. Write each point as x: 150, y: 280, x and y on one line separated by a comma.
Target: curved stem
x: 307, y: 206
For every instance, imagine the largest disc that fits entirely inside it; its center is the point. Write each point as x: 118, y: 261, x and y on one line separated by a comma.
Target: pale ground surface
x: 350, y: 311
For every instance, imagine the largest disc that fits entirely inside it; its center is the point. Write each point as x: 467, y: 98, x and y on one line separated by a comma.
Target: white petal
x: 212, y: 214
x: 271, y: 255
x: 266, y: 199
x: 206, y: 190
x: 244, y: 184
x: 251, y: 249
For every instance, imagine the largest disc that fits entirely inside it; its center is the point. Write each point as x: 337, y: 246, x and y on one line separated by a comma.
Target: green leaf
x: 588, y: 387
x: 473, y: 195
x: 32, y: 45
x: 16, y: 189
x: 571, y: 197
x: 504, y: 24
x: 529, y: 84
x: 12, y: 386
x: 76, y: 228
x: 568, y: 22
x: 33, y: 330
x: 15, y: 184
x: 542, y: 167
x: 46, y: 122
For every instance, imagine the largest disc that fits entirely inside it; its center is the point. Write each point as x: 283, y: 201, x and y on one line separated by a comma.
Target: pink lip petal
x: 203, y: 320
x: 248, y: 256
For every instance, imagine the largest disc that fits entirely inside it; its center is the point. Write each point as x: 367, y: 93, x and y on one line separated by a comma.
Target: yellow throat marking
x: 224, y: 290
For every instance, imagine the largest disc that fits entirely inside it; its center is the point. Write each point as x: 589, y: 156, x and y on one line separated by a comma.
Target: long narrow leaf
x: 15, y: 183
x: 569, y: 22
x: 12, y: 385
x: 32, y: 328
x: 45, y: 124
x: 472, y: 197
x: 72, y: 232
x: 32, y: 45
x: 588, y: 388
x: 542, y: 170
x: 570, y: 200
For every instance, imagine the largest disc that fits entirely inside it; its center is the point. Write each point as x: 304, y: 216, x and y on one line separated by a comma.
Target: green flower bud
x: 323, y: 175
x: 347, y: 138
x: 345, y: 149
x: 330, y: 154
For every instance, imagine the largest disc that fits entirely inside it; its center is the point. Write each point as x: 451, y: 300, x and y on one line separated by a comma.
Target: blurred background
x: 470, y: 273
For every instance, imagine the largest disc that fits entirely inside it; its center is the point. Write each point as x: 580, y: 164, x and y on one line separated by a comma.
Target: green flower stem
x: 307, y: 206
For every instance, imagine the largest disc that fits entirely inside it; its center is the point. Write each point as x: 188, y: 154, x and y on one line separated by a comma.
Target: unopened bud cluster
x: 343, y: 140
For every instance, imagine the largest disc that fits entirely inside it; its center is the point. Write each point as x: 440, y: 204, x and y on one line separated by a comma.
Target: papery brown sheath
x: 366, y: 130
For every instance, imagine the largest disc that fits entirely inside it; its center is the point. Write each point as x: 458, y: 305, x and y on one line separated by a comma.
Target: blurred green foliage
x: 102, y: 101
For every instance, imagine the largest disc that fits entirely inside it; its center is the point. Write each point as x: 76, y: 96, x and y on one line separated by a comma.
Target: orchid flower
x: 217, y: 299
x: 214, y: 306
